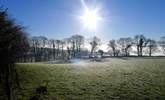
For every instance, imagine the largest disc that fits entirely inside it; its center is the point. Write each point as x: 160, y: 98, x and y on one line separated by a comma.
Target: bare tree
x: 58, y: 43
x: 152, y: 46
x: 62, y: 48
x: 79, y: 41
x: 68, y: 44
x: 162, y: 43
x: 125, y: 44
x: 140, y: 41
x: 112, y: 44
x: 53, y: 44
x: 76, y: 41
x: 36, y: 44
x: 43, y: 42
x: 95, y: 41
x: 72, y: 44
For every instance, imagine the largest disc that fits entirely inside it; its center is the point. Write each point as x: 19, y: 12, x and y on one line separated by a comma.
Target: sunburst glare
x: 90, y: 17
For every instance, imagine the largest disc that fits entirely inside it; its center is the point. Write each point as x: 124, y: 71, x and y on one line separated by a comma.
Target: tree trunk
x: 91, y: 51
x: 79, y: 48
x: 9, y: 81
x: 62, y: 52
x: 114, y: 52
x: 73, y: 49
x: 141, y: 51
x: 138, y: 50
x: 54, y: 52
x: 126, y: 54
x: 150, y: 52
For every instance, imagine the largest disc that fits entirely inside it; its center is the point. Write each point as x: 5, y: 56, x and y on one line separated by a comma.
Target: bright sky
x: 60, y: 18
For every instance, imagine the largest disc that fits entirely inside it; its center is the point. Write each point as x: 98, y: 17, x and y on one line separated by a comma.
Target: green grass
x: 117, y: 79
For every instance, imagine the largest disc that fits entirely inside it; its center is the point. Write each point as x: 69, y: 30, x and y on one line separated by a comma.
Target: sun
x: 90, y: 19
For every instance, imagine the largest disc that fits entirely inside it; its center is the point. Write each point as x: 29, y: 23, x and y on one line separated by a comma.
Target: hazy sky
x: 60, y: 18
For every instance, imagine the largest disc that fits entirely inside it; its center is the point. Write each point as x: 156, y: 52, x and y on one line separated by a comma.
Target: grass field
x: 115, y: 79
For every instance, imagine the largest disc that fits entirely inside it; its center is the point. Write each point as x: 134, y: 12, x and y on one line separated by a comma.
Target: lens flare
x: 90, y: 18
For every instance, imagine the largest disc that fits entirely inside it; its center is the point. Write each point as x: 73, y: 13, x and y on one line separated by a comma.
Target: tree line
x: 44, y: 49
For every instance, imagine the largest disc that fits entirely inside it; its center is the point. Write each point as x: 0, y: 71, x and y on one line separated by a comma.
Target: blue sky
x: 59, y: 18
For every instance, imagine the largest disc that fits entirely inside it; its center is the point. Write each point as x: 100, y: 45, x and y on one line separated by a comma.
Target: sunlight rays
x: 90, y: 17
